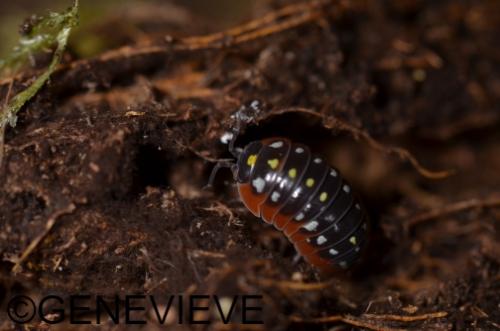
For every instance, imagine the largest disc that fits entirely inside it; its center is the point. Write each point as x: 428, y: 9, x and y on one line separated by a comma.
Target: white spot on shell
x: 332, y: 251
x: 333, y: 173
x: 259, y: 184
x: 226, y: 138
x: 275, y: 196
x: 321, y: 240
x: 343, y: 264
x: 296, y: 193
x: 336, y: 228
x: 277, y: 144
x: 311, y: 226
x: 346, y: 188
x: 330, y: 218
x: 299, y: 150
x: 299, y: 217
x: 317, y: 160
x: 356, y: 249
x: 357, y: 206
x: 255, y: 105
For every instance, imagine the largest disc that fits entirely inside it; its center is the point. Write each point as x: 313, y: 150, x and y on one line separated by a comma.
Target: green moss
x: 45, y: 32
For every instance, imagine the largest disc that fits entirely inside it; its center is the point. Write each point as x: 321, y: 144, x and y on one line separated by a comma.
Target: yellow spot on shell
x: 353, y: 240
x: 323, y: 196
x: 292, y: 173
x: 251, y: 160
x: 273, y: 163
x: 309, y: 182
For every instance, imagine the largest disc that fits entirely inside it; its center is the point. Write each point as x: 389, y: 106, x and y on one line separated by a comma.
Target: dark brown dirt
x: 102, y: 177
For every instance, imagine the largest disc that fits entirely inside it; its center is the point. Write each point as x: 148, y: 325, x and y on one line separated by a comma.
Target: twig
x: 364, y: 320
x: 48, y: 227
x: 287, y: 25
x: 401, y: 318
x: 242, y: 327
x: 347, y: 319
x: 334, y: 123
x: 292, y: 16
x: 201, y: 253
x: 253, y: 30
x: 299, y: 286
x: 454, y: 208
x: 257, y: 23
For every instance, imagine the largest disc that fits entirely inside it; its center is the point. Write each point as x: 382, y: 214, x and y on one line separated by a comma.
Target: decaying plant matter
x: 102, y: 177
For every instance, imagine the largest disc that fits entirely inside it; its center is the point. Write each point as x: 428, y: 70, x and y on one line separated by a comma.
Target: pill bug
x: 284, y: 184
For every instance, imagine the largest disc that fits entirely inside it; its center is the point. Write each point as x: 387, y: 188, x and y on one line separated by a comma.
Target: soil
x: 103, y: 175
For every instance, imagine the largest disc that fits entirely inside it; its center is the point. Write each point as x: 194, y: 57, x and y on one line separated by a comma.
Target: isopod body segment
x: 284, y: 184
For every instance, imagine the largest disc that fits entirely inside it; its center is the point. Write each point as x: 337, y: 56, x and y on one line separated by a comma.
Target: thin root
x: 201, y: 253
x: 456, y: 207
x: 402, y: 318
x: 286, y: 18
x: 48, y: 227
x: 334, y: 123
x: 255, y: 24
x: 298, y: 286
x: 367, y: 320
x: 347, y: 319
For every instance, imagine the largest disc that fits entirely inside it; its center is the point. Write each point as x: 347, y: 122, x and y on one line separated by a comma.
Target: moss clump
x: 38, y: 35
